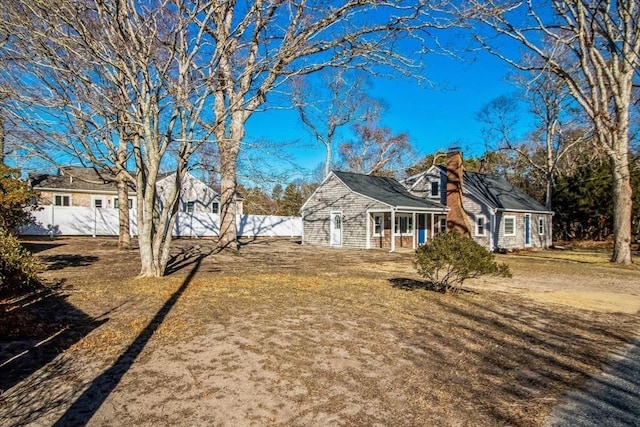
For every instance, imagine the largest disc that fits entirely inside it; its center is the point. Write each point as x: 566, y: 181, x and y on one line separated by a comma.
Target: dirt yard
x: 283, y: 334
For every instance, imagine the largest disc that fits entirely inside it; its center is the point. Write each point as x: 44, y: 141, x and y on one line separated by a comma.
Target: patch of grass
x: 344, y: 337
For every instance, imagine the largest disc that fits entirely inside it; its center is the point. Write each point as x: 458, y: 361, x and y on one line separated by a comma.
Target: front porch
x: 402, y: 229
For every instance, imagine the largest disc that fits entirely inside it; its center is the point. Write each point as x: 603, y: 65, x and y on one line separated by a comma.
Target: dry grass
x: 288, y: 335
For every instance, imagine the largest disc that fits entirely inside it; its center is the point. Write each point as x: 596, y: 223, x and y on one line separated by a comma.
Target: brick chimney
x: 457, y: 217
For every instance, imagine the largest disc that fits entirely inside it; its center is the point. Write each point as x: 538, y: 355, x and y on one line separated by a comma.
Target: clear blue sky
x: 434, y: 117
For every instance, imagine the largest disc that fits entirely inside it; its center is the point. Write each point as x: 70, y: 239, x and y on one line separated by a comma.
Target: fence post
x: 53, y: 222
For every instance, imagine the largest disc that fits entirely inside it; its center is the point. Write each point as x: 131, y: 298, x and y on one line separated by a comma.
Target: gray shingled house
x: 494, y: 212
x: 362, y: 211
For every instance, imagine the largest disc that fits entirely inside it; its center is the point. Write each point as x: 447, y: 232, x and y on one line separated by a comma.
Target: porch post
x: 433, y: 218
x: 393, y: 230
x: 368, y: 225
x: 415, y: 229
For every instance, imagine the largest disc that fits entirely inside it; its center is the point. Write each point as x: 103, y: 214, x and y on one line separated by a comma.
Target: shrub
x: 18, y: 267
x: 449, y: 259
x: 15, y: 197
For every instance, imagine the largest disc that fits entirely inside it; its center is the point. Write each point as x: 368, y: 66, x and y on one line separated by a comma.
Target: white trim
x: 393, y: 231
x: 527, y: 230
x: 53, y: 199
x: 504, y: 225
x: 378, y: 215
x: 484, y: 226
x: 440, y: 228
x: 114, y: 201
x: 430, y: 194
x: 541, y: 226
x: 333, y: 214
x: 525, y: 211
x: 415, y: 230
x: 103, y: 202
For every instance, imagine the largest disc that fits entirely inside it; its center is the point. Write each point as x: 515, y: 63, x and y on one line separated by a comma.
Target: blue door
x: 422, y: 229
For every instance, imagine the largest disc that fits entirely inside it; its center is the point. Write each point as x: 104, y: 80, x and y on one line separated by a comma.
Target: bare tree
x: 119, y: 86
x: 557, y: 127
x: 325, y: 106
x: 258, y: 46
x: 375, y: 150
x: 594, y: 48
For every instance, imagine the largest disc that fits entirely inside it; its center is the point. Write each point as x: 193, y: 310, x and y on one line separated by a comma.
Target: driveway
x: 611, y: 399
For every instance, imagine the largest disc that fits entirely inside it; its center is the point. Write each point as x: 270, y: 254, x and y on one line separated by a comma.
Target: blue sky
x: 434, y: 117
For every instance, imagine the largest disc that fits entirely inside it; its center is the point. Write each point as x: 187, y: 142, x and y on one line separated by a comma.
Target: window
x: 116, y: 203
x: 480, y: 225
x: 404, y: 224
x: 443, y: 225
x: 61, y: 200
x: 541, y: 225
x: 435, y: 189
x: 98, y: 203
x: 509, y: 225
x: 189, y: 207
x: 215, y: 207
x: 378, y: 229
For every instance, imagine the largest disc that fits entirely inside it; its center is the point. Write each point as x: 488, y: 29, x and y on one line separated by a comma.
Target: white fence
x: 78, y: 221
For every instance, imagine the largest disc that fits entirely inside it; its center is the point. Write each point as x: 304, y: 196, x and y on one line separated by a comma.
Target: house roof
x: 499, y: 192
x: 75, y: 178
x: 385, y: 190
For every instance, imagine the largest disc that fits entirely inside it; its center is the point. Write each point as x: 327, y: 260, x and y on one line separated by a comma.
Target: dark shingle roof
x: 75, y: 178
x: 385, y: 190
x: 500, y: 192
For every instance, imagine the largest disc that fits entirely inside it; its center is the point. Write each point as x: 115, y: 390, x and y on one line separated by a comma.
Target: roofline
x: 360, y: 194
x: 425, y: 209
x: 525, y: 211
x: 316, y: 190
x: 69, y: 190
x: 434, y: 210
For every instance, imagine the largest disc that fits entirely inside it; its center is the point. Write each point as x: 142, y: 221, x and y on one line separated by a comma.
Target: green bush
x: 18, y: 267
x: 15, y: 198
x: 449, y: 259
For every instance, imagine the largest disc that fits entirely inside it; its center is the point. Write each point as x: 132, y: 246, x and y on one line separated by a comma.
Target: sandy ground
x: 287, y: 335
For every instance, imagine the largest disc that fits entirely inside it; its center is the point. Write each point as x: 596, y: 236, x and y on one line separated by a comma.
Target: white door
x: 335, y: 238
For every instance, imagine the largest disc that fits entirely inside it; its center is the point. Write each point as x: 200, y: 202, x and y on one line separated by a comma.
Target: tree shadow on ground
x: 186, y: 256
x: 35, y: 329
x: 88, y: 403
x: 58, y: 262
x: 39, y: 246
x: 406, y: 284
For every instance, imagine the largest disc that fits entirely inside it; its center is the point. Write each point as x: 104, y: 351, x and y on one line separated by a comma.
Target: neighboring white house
x: 195, y: 195
x: 88, y: 187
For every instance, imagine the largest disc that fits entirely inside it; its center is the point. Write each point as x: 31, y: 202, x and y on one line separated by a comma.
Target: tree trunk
x: 622, y: 194
x: 124, y: 236
x: 2, y: 137
x: 228, y: 181
x: 124, y: 232
x: 327, y: 159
